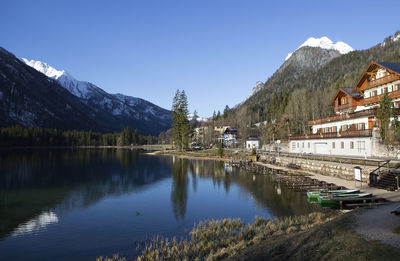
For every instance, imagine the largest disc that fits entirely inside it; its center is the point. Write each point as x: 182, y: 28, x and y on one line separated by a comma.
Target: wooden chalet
x: 355, y: 121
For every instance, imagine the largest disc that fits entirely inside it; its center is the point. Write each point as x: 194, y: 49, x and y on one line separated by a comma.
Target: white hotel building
x: 354, y: 130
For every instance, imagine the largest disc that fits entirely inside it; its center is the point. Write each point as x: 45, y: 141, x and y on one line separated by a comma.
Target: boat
x: 335, y: 198
x: 316, y: 194
x: 293, y: 166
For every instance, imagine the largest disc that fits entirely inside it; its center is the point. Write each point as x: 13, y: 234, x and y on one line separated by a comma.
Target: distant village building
x: 261, y: 124
x: 253, y: 142
x: 230, y: 137
x: 208, y: 133
x: 354, y: 130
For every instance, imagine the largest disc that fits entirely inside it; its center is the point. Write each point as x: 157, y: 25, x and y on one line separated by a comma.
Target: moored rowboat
x: 335, y: 198
x: 316, y: 194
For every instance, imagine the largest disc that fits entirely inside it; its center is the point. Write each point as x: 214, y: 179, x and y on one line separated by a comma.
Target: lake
x: 77, y: 204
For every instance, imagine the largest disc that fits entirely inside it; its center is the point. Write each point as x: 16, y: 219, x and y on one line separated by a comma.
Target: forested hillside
x: 289, y: 99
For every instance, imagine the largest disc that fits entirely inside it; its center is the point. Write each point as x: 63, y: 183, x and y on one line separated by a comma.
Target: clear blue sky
x: 215, y: 50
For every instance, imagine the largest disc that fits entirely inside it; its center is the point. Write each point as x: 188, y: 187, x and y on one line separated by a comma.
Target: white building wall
x: 362, y: 146
x: 338, y: 124
x: 252, y: 143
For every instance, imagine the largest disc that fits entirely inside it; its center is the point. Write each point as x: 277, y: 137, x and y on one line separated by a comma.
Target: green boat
x: 316, y: 194
x: 333, y: 198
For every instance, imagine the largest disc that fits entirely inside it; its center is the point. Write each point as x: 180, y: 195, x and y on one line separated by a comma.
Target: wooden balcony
x: 377, y: 98
x: 370, y: 112
x: 380, y: 81
x: 344, y: 107
x: 331, y: 135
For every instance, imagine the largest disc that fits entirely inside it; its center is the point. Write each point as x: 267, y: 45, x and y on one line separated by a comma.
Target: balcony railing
x: 344, y: 107
x: 370, y: 112
x: 377, y: 98
x: 330, y: 135
x: 382, y: 80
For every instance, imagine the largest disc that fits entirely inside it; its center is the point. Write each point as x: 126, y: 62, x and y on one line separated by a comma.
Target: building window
x: 342, y: 144
x: 293, y: 145
x: 302, y: 144
x: 308, y: 145
x: 298, y: 145
x: 351, y: 144
x: 361, y: 146
x: 361, y: 126
x: 333, y: 145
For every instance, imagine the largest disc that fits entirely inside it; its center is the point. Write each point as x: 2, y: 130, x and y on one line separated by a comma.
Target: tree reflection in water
x: 179, y: 187
x: 266, y: 192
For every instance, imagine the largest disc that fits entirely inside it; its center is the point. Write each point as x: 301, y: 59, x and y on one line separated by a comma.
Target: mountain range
x: 34, y: 93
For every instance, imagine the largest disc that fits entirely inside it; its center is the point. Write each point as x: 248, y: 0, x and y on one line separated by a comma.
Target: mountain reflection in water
x: 71, y: 200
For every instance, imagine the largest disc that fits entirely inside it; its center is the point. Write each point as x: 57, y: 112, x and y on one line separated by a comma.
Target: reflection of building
x: 353, y: 130
x: 253, y: 142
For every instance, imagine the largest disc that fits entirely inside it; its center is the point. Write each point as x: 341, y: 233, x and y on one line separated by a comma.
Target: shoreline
x: 189, y: 155
x: 145, y: 147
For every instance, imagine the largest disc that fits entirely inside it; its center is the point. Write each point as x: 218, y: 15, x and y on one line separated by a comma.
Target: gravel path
x: 377, y: 224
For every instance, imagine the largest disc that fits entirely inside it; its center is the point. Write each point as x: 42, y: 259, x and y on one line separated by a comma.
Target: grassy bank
x: 316, y: 236
x: 334, y: 240
x: 226, y: 238
x: 207, y: 154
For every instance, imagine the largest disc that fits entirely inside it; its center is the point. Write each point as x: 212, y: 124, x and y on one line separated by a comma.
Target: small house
x: 253, y: 142
x: 230, y: 137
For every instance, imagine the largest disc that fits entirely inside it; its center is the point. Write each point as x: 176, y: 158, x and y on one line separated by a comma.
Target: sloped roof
x: 354, y: 95
x: 391, y: 66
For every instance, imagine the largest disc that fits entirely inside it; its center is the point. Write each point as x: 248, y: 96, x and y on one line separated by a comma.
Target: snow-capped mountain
x: 325, y: 43
x: 130, y: 111
x: 80, y: 89
x: 308, y: 57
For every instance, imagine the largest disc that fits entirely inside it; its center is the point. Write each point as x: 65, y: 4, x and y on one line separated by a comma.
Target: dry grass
x: 219, y: 239
x: 335, y: 240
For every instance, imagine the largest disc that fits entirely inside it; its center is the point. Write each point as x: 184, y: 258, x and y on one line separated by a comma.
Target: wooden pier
x: 305, y: 183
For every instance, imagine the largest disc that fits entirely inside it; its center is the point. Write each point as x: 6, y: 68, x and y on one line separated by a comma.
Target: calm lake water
x: 80, y: 204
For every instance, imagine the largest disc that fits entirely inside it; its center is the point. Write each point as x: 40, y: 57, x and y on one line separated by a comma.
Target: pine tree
x: 180, y: 124
x: 226, y: 112
x: 384, y: 113
x: 175, y: 119
x: 184, y: 122
x: 193, y: 124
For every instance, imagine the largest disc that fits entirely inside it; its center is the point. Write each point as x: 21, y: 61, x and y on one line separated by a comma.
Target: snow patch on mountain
x: 325, y: 43
x: 257, y: 87
x: 44, y: 68
x: 77, y: 88
x: 199, y: 119
x: 393, y: 38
